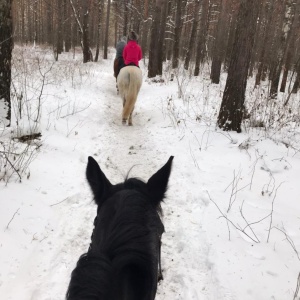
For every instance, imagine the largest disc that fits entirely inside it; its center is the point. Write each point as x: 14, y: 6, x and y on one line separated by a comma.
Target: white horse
x: 129, y: 82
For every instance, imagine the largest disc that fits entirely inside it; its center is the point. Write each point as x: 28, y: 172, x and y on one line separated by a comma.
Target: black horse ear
x: 157, y: 184
x: 99, y: 184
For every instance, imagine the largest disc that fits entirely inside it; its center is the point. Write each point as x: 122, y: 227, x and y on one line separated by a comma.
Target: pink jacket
x: 132, y: 53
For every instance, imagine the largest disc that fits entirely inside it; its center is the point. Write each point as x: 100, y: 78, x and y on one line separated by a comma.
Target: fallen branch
x: 12, y: 219
x: 289, y: 240
x: 248, y: 224
x: 271, y: 214
x: 29, y: 137
x: 59, y: 202
x: 297, y: 287
x: 7, y: 159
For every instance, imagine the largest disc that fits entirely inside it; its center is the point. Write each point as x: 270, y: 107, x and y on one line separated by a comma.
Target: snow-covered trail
x: 202, y: 257
x: 69, y: 210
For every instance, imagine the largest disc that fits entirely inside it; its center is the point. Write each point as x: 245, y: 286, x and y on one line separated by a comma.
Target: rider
x: 132, y: 52
x: 119, y: 61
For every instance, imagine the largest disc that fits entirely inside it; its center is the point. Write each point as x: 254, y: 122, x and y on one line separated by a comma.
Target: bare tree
x: 6, y: 46
x: 232, y: 107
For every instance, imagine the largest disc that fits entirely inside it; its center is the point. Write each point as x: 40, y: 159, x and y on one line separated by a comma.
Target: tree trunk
x: 59, y: 28
x: 193, y: 35
x: 83, y: 30
x: 290, y: 52
x: 125, y: 24
x: 265, y: 42
x: 67, y: 27
x: 23, y: 39
x: 286, y: 68
x: 100, y: 9
x: 232, y: 27
x: 200, y: 52
x: 170, y: 40
x: 161, y: 40
x: 87, y: 52
x: 6, y: 46
x: 284, y: 41
x: 106, y: 29
x: 153, y: 51
x: 145, y: 29
x: 49, y: 23
x: 297, y: 80
x: 35, y: 22
x: 177, y: 35
x: 232, y: 107
x: 219, y: 45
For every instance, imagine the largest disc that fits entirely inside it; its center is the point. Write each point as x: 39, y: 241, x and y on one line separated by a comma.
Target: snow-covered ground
x: 232, y: 214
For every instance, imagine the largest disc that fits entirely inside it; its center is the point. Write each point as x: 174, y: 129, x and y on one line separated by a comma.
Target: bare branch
x: 288, y: 238
x: 297, y: 287
x: 12, y: 218
x: 271, y: 214
x: 248, y: 225
x: 228, y: 220
x: 59, y: 202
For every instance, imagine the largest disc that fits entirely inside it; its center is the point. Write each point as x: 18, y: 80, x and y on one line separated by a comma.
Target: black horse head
x: 124, y: 254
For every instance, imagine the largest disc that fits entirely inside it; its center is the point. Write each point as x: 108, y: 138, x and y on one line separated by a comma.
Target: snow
x: 47, y: 220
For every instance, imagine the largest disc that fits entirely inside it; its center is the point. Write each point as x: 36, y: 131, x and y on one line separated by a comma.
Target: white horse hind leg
x: 130, y: 118
x: 124, y: 119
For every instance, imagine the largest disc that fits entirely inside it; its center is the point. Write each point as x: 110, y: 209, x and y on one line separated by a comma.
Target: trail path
x: 82, y: 117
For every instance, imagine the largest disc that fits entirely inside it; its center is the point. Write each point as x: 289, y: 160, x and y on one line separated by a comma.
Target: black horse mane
x: 91, y: 278
x: 124, y: 254
x: 126, y: 233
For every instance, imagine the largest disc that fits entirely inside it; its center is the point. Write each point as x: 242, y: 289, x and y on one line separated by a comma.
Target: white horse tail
x: 129, y: 84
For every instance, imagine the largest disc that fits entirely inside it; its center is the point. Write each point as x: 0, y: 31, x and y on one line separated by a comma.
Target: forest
x: 220, y: 94
x: 246, y: 38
